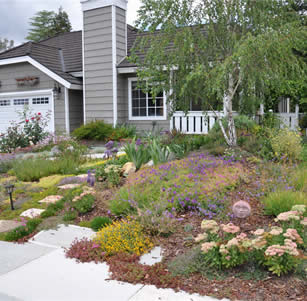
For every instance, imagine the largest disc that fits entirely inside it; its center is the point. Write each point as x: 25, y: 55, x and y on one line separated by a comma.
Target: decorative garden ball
x: 241, y: 209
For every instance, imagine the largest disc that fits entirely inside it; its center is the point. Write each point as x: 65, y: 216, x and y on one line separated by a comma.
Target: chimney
x: 104, y: 45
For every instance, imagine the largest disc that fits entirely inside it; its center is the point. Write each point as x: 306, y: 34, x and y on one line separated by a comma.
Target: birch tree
x: 218, y: 51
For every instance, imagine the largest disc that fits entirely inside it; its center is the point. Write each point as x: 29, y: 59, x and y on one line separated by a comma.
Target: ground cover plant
x: 185, y: 185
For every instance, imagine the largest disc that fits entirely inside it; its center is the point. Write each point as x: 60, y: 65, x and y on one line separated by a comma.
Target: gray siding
x: 75, y: 109
x: 8, y: 75
x: 98, y: 64
x: 122, y: 92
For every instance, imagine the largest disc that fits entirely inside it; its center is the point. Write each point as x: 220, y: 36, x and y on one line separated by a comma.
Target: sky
x: 15, y: 15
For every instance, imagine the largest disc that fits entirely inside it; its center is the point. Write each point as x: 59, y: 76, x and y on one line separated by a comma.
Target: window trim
x: 144, y: 118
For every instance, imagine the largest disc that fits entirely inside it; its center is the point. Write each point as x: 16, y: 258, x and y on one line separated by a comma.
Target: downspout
x: 67, y: 117
x: 114, y: 60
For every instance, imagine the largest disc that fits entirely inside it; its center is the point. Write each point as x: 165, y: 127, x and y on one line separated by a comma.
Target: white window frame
x: 164, y: 117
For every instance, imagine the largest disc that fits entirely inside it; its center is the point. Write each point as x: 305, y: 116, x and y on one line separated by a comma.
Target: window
x: 40, y: 100
x: 142, y: 106
x: 5, y: 103
x: 21, y: 102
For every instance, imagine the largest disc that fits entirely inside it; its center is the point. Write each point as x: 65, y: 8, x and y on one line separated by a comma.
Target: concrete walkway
x: 39, y: 271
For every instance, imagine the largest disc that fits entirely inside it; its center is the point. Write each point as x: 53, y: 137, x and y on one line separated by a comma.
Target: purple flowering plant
x: 195, y: 184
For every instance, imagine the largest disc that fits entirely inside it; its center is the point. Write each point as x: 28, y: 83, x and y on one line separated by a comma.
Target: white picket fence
x: 289, y: 120
x: 194, y: 122
x: 198, y: 122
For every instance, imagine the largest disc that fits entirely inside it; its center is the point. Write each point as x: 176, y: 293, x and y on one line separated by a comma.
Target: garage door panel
x: 12, y: 107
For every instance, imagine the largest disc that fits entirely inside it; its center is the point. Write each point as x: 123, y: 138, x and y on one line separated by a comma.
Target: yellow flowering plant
x: 125, y: 236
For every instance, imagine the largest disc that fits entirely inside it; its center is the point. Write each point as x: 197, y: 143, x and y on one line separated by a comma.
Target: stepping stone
x: 62, y: 236
x: 32, y: 213
x: 69, y: 186
x: 51, y: 199
x: 82, y: 176
x: 6, y: 226
x: 155, y: 256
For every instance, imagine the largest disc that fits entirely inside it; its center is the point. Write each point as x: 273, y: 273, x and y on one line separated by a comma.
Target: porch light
x: 56, y: 90
x: 9, y: 189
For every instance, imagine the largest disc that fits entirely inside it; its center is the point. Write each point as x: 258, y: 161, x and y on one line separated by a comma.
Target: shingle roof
x: 48, y: 54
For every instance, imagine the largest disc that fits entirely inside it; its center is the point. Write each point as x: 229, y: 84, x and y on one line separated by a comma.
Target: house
x: 83, y: 76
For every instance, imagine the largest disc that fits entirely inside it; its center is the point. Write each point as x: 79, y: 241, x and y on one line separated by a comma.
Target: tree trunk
x: 231, y: 136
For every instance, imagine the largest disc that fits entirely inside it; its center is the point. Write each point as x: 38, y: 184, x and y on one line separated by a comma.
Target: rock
x: 155, y: 256
x: 55, y: 150
x: 32, y: 213
x: 6, y: 226
x: 241, y: 209
x: 51, y: 199
x: 116, y: 168
x: 82, y: 176
x: 149, y: 164
x: 69, y: 186
x: 128, y: 169
x: 79, y: 197
x: 96, y: 156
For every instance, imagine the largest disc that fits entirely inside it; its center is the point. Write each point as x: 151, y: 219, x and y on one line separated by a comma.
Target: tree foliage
x: 46, y: 24
x: 221, y: 51
x: 5, y: 44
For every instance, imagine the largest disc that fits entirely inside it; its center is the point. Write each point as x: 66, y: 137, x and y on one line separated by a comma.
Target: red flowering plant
x: 34, y: 128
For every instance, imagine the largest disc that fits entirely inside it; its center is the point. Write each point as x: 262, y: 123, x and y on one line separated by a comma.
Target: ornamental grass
x: 124, y: 236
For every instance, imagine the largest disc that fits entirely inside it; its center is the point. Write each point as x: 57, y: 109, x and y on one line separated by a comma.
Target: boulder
x: 51, y: 199
x: 6, y: 226
x: 128, y: 169
x: 115, y: 168
x: 149, y: 164
x: 55, y: 150
x: 69, y: 186
x: 32, y: 213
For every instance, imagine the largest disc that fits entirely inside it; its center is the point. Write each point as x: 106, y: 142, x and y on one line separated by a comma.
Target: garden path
x: 39, y: 271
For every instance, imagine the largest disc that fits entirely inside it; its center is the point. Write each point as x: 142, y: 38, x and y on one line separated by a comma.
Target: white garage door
x: 11, y: 105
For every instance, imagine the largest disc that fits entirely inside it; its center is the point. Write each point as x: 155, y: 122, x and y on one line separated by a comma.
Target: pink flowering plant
x: 295, y: 219
x: 277, y: 249
x: 225, y: 246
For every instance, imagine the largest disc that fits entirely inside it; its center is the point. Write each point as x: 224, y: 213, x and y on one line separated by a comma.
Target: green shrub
x: 282, y: 201
x: 122, y: 131
x: 242, y: 122
x: 100, y: 222
x: 120, y: 206
x: 5, y: 165
x: 33, y: 169
x: 158, y: 153
x: 53, y: 209
x: 95, y: 130
x: 70, y: 216
x: 30, y: 170
x: 85, y: 224
x: 299, y: 180
x: 113, y: 177
x: 286, y: 145
x: 23, y: 231
x: 85, y: 204
x: 137, y: 153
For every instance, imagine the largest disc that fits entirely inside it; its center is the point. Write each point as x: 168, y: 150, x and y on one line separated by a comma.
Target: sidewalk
x: 39, y: 271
